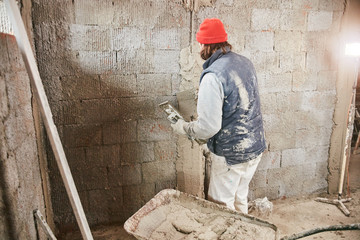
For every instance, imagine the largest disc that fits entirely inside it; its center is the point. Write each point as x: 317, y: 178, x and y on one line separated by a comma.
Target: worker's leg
x: 223, y: 182
x: 248, y: 170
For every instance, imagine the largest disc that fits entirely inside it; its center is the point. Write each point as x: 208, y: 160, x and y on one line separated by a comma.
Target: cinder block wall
x: 20, y: 179
x: 107, y: 64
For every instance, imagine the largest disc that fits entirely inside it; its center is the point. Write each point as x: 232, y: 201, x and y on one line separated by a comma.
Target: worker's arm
x: 209, y: 109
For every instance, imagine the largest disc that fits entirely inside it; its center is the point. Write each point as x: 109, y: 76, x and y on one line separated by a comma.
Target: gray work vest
x: 241, y: 137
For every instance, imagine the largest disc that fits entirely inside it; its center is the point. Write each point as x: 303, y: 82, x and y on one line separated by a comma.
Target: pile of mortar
x: 175, y: 215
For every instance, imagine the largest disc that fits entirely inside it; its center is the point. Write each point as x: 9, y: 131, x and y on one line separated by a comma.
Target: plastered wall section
x: 20, y: 181
x: 106, y: 65
x: 294, y: 46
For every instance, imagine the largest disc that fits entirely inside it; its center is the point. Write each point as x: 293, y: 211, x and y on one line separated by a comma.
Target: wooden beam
x: 30, y: 64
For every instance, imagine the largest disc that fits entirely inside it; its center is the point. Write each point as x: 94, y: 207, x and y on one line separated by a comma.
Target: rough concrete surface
x: 20, y: 181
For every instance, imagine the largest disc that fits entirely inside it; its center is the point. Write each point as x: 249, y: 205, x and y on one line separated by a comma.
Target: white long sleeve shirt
x: 209, y: 108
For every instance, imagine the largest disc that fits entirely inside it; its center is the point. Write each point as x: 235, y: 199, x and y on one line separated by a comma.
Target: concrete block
x: 161, y: 63
x: 292, y: 62
x: 133, y: 62
x: 115, y: 202
x: 166, y: 38
x: 154, y: 84
x: 103, y: 155
x: 287, y: 41
x: 269, y: 160
x: 14, y: 56
x: 289, y: 101
x: 293, y: 20
x: 321, y: 171
x: 4, y: 59
x: 94, y: 13
x: 18, y: 90
x: 165, y: 185
x: 76, y: 87
x: 313, y: 119
x: 259, y: 179
x: 76, y: 158
x: 85, y: 111
x: 128, y: 38
x: 118, y: 85
x: 96, y: 62
x: 278, y: 122
x: 317, y: 100
x: 313, y: 42
x: 89, y: 38
x: 265, y: 4
x: 99, y: 205
x: 4, y: 104
x: 319, y: 20
x: 275, y: 82
x: 304, y: 81
x: 268, y: 101
x: 318, y: 154
x: 293, y: 157
x: 259, y: 41
x: 326, y: 81
x: 265, y: 19
x: 132, y: 200
x: 305, y: 4
x: 313, y: 137
x: 120, y: 132
x: 131, y: 174
x: 147, y: 191
x: 94, y: 178
x: 165, y: 151
x: 131, y: 153
x: 157, y: 171
x: 314, y: 185
x: 318, y: 61
x: 125, y: 175
x: 271, y: 192
x: 82, y: 135
x: 279, y: 141
x: 265, y: 62
x: 154, y: 130
x: 126, y: 109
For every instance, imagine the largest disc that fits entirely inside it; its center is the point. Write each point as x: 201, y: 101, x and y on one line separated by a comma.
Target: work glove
x: 178, y: 127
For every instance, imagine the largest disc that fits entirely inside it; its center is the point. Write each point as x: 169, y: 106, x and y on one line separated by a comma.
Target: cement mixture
x: 178, y: 222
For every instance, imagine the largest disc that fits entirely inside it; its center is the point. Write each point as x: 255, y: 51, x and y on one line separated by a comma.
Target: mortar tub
x: 172, y: 215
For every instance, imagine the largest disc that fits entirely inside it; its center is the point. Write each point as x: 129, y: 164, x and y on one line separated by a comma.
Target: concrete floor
x: 291, y: 215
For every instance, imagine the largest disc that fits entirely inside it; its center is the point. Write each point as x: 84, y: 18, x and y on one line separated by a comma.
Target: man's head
x: 212, y: 36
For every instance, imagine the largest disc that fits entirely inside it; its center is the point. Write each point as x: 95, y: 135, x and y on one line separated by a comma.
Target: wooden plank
x: 44, y: 225
x: 30, y: 64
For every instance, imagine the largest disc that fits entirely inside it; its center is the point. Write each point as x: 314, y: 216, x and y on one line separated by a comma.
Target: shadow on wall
x: 119, y: 145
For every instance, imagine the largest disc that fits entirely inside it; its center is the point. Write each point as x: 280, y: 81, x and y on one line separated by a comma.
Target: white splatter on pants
x: 229, y: 184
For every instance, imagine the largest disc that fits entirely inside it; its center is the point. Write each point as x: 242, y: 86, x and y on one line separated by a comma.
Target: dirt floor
x: 290, y: 215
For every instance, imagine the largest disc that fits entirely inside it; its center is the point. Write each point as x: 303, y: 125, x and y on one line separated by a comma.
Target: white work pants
x: 229, y: 184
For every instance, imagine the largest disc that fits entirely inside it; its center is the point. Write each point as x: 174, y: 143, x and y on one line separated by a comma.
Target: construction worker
x: 229, y: 117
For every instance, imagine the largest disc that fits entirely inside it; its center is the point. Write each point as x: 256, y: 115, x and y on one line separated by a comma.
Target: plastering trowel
x: 174, y: 116
x: 171, y: 111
